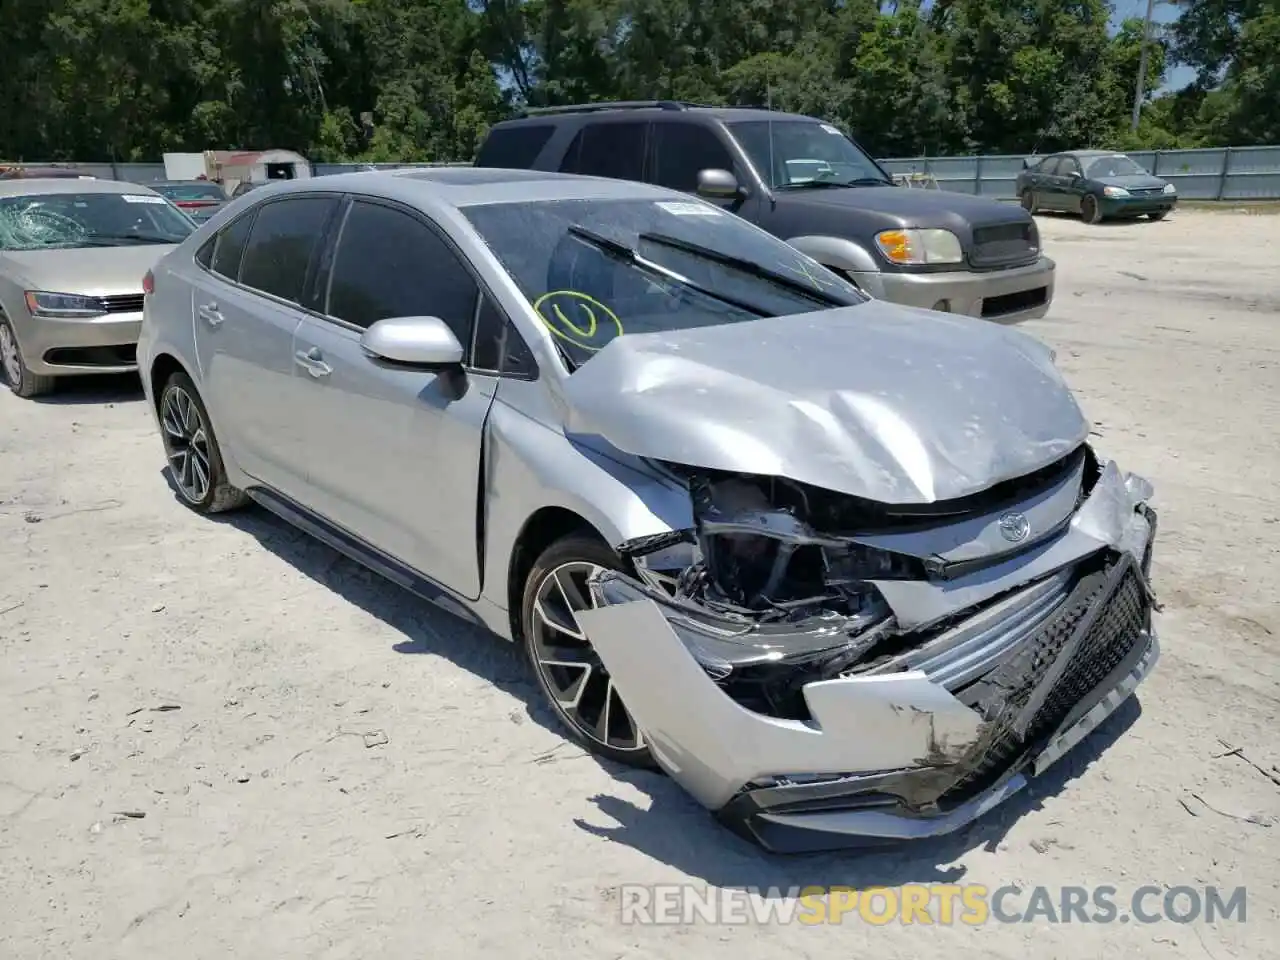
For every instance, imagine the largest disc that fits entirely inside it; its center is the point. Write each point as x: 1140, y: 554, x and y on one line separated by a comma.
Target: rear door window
x: 514, y: 147
x: 228, y: 247
x: 284, y: 236
x: 681, y: 150
x: 613, y: 150
x: 391, y: 264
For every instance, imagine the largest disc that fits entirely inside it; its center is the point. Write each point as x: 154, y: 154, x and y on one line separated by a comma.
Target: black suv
x: 804, y: 181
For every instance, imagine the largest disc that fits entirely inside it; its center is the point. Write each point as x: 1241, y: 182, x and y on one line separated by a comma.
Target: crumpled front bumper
x: 919, y: 752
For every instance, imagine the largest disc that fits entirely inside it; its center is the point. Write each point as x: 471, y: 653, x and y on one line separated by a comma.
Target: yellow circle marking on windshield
x: 806, y: 271
x: 556, y: 307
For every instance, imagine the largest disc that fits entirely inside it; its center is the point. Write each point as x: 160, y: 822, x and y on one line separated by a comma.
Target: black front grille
x: 123, y: 303
x: 1007, y: 692
x: 1003, y: 243
x: 1008, y: 303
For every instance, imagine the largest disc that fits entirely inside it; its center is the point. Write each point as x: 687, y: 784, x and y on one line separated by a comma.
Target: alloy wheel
x: 572, y: 671
x: 9, y: 357
x: 186, y: 441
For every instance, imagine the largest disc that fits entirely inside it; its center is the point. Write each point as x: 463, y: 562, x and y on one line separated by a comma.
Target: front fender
x: 532, y: 466
x: 838, y: 252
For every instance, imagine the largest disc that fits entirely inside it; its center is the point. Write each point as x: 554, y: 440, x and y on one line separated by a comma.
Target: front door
x: 394, y: 453
x: 679, y: 150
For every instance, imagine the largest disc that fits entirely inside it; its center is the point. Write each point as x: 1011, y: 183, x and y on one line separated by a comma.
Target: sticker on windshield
x: 142, y: 198
x: 683, y: 209
x: 830, y: 129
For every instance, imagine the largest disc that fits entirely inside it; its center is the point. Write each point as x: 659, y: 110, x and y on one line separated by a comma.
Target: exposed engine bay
x: 780, y: 584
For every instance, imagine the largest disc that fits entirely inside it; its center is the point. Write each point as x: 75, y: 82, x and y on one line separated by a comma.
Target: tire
x: 1158, y: 215
x: 1090, y: 211
x: 194, y: 460
x: 1028, y: 199
x: 13, y: 367
x: 565, y: 665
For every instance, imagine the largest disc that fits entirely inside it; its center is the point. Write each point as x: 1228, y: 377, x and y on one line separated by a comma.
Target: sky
x: 1176, y: 78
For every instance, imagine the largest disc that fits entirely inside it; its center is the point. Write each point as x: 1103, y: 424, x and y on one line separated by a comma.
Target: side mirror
x: 719, y: 184
x: 416, y: 341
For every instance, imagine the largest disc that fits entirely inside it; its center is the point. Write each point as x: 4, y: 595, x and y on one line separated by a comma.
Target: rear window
x: 515, y: 147
x: 284, y: 235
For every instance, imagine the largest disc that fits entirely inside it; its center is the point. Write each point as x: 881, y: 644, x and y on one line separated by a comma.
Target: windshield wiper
x: 626, y: 254
x: 819, y: 184
x: 745, y: 266
x: 134, y: 237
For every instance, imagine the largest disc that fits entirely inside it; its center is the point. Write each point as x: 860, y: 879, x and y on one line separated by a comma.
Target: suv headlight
x: 42, y: 304
x: 1170, y: 188
x: 1115, y: 192
x: 910, y: 247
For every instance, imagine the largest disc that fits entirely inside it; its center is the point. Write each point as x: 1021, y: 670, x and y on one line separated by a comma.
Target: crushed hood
x: 878, y: 401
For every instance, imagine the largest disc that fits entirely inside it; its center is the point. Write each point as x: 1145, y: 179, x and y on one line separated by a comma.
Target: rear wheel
x: 1090, y: 212
x: 14, y: 368
x: 195, y: 462
x: 571, y: 674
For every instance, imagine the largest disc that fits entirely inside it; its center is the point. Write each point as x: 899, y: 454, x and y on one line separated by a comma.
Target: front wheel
x: 1090, y: 212
x: 21, y: 381
x: 1158, y: 215
x: 1028, y: 199
x: 570, y: 673
x: 195, y: 461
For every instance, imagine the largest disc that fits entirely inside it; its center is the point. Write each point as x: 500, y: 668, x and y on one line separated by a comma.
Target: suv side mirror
x: 719, y: 184
x: 416, y: 341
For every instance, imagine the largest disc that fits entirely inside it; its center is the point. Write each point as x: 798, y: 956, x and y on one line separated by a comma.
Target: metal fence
x: 1225, y: 173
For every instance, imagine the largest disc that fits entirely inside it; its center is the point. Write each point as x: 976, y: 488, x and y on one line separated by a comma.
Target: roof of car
x: 725, y: 114
x: 24, y: 187
x: 470, y: 186
x: 1092, y: 153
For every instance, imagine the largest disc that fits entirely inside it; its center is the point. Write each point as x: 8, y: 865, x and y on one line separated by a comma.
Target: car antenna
x: 768, y: 103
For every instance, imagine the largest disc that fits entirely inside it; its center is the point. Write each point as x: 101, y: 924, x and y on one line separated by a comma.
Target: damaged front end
x: 823, y: 670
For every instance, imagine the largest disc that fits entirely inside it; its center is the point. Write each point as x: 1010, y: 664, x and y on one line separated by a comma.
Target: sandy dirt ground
x: 219, y: 739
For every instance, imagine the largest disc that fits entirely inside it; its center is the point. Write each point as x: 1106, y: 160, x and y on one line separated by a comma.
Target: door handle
x: 312, y: 361
x: 209, y: 314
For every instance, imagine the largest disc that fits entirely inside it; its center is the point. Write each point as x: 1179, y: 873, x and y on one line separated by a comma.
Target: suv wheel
x: 195, y: 462
x: 571, y: 674
x: 21, y: 380
x: 1090, y: 212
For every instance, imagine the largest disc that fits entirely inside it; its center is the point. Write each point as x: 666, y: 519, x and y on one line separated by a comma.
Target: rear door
x: 1074, y: 185
x: 245, y: 310
x: 1050, y: 187
x: 394, y: 453
x: 608, y: 148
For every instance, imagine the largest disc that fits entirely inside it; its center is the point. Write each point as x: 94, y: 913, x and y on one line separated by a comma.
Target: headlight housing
x: 919, y: 247
x: 42, y: 304
x: 1170, y: 188
x: 1114, y: 192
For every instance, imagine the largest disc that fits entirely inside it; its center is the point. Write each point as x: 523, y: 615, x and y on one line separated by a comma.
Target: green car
x: 1096, y: 184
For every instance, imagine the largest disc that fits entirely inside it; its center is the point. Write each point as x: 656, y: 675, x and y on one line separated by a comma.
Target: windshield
x: 804, y: 153
x: 71, y: 220
x: 598, y: 269
x: 191, y: 191
x: 1117, y: 165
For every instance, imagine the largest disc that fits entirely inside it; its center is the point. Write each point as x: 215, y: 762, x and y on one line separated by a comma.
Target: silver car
x: 845, y: 569
x: 72, y: 257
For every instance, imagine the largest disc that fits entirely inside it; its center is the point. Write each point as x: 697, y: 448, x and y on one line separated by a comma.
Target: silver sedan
x: 73, y: 253
x: 845, y: 569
